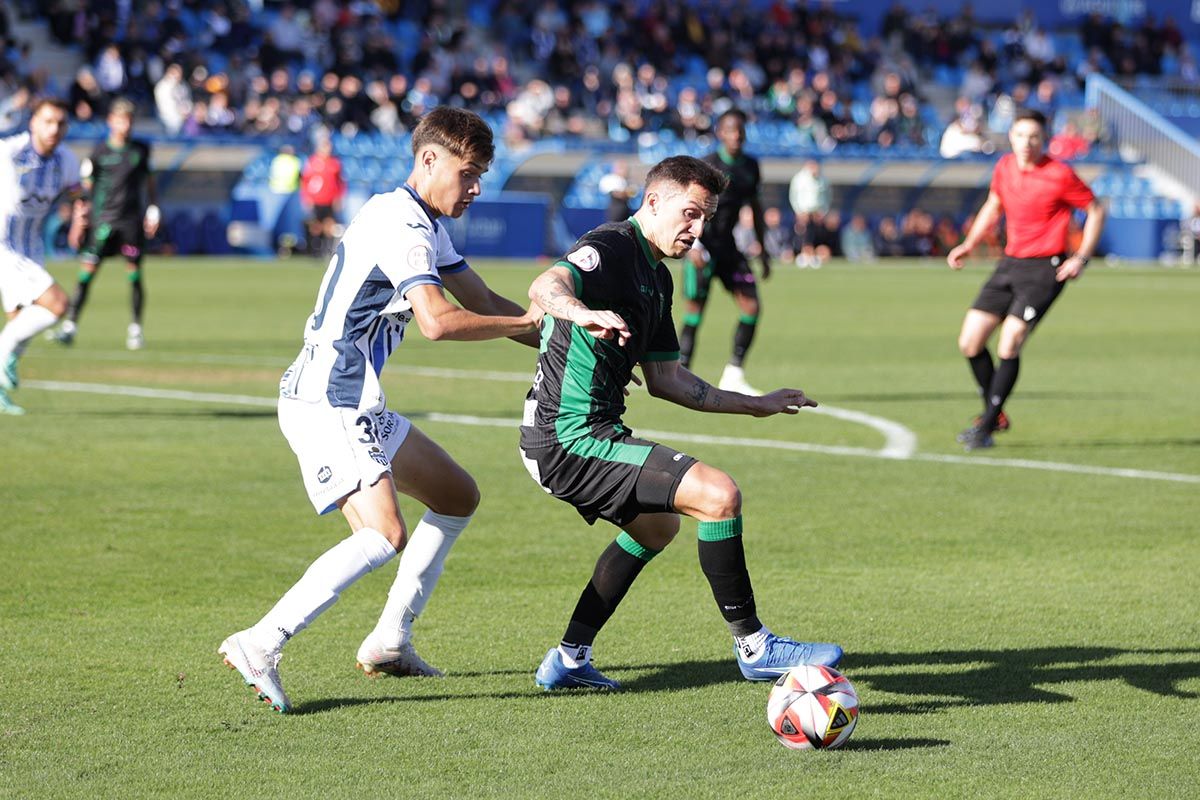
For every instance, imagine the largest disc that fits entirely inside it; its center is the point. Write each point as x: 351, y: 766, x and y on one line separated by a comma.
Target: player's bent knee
x: 723, y: 498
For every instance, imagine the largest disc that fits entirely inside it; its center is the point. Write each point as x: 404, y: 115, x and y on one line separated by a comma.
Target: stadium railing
x: 1138, y: 126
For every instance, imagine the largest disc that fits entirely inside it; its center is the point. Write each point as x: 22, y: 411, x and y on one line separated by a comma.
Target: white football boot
x: 259, y: 668
x: 733, y: 379
x: 134, y: 340
x: 374, y: 660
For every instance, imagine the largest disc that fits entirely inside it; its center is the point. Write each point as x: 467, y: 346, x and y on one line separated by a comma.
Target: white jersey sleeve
x: 449, y: 261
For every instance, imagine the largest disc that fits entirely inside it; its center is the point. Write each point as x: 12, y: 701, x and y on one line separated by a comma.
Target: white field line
x: 899, y: 441
x: 774, y: 444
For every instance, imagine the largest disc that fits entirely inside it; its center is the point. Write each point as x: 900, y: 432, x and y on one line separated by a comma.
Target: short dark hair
x: 55, y: 102
x: 683, y: 171
x: 735, y: 113
x: 463, y: 133
x: 1030, y: 113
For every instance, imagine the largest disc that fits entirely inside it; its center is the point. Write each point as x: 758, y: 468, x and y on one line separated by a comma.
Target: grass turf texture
x: 1011, y: 632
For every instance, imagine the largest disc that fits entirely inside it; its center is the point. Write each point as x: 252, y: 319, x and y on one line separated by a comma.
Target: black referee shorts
x: 1024, y: 288
x: 614, y: 480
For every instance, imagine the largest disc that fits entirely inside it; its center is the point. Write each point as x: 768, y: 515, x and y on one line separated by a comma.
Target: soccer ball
x: 812, y: 708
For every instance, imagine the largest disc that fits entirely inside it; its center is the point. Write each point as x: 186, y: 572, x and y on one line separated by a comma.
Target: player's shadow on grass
x: 973, y: 397
x: 1042, y: 444
x: 181, y: 413
x: 942, y: 679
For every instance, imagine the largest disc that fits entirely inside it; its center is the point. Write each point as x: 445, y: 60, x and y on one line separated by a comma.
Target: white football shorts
x: 22, y: 280
x: 340, y: 450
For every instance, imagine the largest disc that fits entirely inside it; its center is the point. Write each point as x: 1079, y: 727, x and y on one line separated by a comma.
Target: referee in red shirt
x: 1037, y: 196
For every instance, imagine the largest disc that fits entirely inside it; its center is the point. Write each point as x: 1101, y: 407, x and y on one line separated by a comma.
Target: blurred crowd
x: 586, y: 68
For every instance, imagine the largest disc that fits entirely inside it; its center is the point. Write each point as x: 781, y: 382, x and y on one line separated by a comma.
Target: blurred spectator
x: 778, y: 237
x: 818, y: 240
x: 86, y: 99
x: 172, y: 99
x: 617, y: 187
x: 945, y: 235
x: 14, y: 107
x: 887, y: 239
x: 965, y: 133
x: 322, y: 188
x: 284, y: 174
x: 916, y: 234
x: 857, y: 243
x: 110, y: 70
x: 1192, y: 228
x: 809, y: 190
x: 1069, y: 143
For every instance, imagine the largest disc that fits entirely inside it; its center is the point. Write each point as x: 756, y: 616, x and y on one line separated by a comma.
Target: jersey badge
x: 420, y: 258
x: 586, y: 258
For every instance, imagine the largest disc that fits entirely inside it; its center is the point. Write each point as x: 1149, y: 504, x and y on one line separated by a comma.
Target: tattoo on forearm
x: 557, y: 298
x: 698, y: 392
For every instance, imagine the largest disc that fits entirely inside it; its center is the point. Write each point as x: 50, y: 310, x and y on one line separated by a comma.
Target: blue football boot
x: 781, y: 654
x: 554, y: 674
x: 8, y: 376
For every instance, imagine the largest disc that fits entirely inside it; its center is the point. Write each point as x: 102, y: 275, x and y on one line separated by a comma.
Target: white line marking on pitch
x: 774, y: 444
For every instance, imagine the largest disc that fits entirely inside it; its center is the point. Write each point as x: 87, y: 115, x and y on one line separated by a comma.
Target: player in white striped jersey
x: 35, y: 172
x: 389, y: 269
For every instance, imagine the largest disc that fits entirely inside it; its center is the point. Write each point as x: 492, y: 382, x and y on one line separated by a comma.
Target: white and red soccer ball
x: 812, y: 708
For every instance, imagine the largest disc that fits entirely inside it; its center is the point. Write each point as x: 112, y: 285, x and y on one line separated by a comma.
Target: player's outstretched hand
x: 602, y: 324
x: 783, y: 401
x: 957, y: 258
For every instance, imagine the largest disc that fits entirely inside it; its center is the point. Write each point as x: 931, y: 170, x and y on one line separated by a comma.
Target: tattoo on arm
x: 701, y: 394
x: 557, y: 298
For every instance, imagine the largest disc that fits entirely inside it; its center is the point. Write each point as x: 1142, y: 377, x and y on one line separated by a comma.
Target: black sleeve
x: 596, y: 264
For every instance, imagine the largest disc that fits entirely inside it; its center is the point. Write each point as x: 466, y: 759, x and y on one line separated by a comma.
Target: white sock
x: 751, y: 647
x: 318, y: 589
x: 31, y: 321
x: 576, y: 655
x: 420, y: 567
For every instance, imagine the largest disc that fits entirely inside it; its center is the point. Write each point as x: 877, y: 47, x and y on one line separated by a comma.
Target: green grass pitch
x: 1018, y: 623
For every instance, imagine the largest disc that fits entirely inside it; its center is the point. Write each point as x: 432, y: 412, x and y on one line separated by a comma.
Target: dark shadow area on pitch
x: 963, y: 395
x: 336, y: 703
x: 180, y: 413
x: 996, y: 677
x: 1042, y: 444
x: 892, y: 744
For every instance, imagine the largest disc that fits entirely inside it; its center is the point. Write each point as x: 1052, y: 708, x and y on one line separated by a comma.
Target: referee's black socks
x: 984, y: 370
x: 1001, y: 387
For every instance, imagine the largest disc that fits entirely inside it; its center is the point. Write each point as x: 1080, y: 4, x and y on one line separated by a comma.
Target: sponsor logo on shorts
x: 586, y: 258
x: 1030, y: 313
x: 678, y: 456
x: 324, y: 474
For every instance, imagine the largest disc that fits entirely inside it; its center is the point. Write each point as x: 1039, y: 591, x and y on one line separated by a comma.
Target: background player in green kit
x: 719, y: 257
x: 608, y: 308
x: 122, y: 214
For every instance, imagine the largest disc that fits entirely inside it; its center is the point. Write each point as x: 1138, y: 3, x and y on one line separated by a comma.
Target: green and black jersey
x: 578, y: 396
x: 119, y: 176
x: 744, y: 181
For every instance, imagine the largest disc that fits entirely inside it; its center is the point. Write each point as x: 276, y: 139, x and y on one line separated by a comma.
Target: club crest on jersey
x: 586, y: 258
x: 420, y: 258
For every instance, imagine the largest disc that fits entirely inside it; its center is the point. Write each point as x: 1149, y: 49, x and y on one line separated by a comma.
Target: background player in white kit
x: 389, y: 269
x: 35, y: 171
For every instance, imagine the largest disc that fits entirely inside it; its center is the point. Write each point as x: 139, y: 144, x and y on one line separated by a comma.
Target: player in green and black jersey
x: 719, y: 257
x: 608, y: 308
x: 122, y: 214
